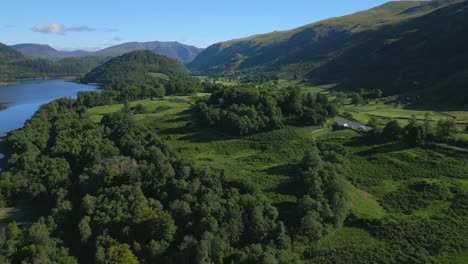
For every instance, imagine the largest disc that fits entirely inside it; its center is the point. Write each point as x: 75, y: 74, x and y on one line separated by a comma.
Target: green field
x: 384, y: 111
x: 267, y: 162
x: 159, y: 75
x: 340, y: 239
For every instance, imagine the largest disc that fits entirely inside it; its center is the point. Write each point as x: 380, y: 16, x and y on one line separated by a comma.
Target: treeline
x: 245, y: 109
x: 322, y: 208
x: 120, y: 92
x: 416, y: 133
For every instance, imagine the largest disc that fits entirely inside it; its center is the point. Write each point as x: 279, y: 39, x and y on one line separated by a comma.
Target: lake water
x: 23, y: 99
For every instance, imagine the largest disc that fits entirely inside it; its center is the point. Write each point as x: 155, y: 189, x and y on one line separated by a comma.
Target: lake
x: 23, y: 99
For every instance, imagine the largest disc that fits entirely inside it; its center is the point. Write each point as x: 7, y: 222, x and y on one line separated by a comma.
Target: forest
x: 245, y: 109
x: 114, y: 192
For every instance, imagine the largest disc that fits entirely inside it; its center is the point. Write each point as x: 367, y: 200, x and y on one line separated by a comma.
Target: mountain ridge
x: 272, y: 50
x: 173, y: 49
x: 45, y: 51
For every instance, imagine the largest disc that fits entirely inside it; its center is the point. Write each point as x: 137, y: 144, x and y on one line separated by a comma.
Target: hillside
x: 47, y: 52
x: 82, y: 65
x: 424, y: 56
x: 14, y: 65
x: 135, y: 66
x: 7, y: 54
x: 328, y: 51
x: 173, y: 50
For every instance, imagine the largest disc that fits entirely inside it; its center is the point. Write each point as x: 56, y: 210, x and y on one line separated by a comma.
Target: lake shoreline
x: 8, y: 83
x: 18, y: 81
x: 20, y: 101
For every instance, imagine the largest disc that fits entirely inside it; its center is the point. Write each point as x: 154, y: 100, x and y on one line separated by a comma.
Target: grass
x: 361, y: 203
x: 379, y: 109
x: 159, y: 75
x: 434, y: 208
x: 341, y: 239
x: 156, y: 108
x: 377, y: 170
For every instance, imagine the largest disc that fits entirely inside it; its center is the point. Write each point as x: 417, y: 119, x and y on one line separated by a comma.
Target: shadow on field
x: 199, y: 135
x: 175, y: 130
x: 382, y: 149
x: 292, y: 187
x: 184, y: 116
x: 362, y: 141
x: 290, y: 170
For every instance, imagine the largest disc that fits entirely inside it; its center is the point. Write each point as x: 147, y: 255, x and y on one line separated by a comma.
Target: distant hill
x: 8, y: 54
x: 82, y: 65
x: 47, y: 52
x: 174, y: 50
x: 14, y: 65
x: 135, y: 66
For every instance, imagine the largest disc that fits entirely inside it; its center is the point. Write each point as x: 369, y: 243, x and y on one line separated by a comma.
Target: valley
x: 340, y: 141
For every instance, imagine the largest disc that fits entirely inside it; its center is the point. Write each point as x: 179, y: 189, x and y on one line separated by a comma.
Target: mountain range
x: 401, y: 47
x: 176, y: 50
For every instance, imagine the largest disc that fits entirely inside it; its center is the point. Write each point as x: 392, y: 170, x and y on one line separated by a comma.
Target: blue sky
x: 96, y: 24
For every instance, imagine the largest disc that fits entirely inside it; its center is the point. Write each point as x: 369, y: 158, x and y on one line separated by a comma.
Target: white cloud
x: 50, y: 29
x: 59, y: 29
